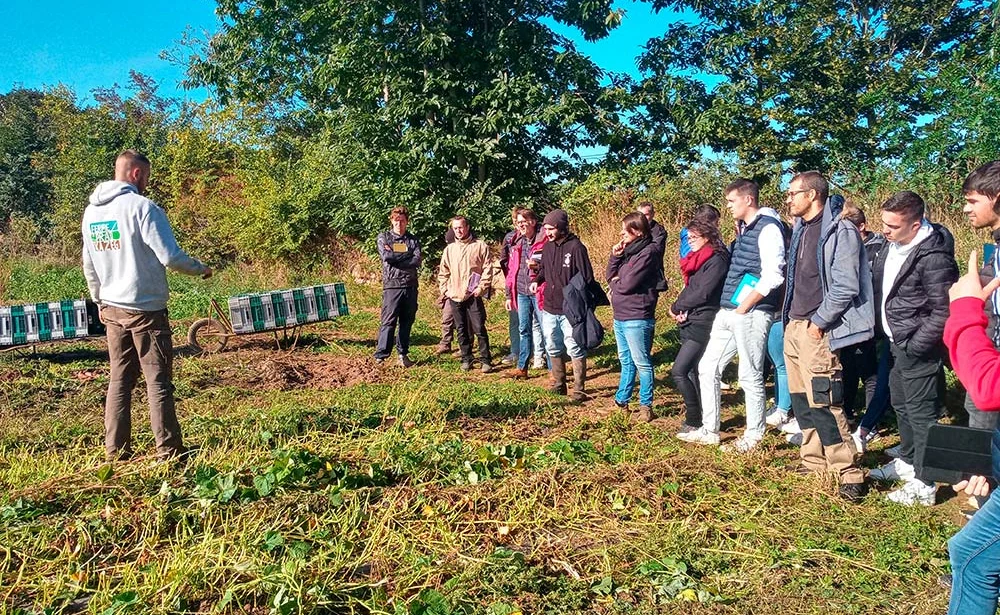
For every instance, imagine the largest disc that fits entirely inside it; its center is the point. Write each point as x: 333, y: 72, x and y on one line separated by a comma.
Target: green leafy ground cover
x: 328, y: 484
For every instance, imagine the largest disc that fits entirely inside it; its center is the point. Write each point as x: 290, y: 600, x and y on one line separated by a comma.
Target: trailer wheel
x: 207, y: 335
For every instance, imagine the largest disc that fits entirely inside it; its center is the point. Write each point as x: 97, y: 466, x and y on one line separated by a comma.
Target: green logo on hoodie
x: 105, y: 236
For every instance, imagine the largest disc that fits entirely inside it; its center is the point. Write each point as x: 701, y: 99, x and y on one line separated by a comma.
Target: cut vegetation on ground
x: 326, y: 483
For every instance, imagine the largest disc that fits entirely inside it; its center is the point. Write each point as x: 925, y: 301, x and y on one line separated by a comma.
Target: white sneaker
x: 790, y: 427
x: 539, y: 363
x: 860, y: 444
x: 893, y: 451
x: 740, y: 445
x: 914, y: 492
x: 897, y: 469
x: 700, y: 436
x: 777, y: 418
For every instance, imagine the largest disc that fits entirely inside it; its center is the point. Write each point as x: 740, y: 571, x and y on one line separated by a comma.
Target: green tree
x: 87, y: 140
x: 24, y: 188
x: 780, y: 83
x: 430, y: 103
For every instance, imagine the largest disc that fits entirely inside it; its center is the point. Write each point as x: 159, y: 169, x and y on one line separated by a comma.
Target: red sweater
x: 973, y: 357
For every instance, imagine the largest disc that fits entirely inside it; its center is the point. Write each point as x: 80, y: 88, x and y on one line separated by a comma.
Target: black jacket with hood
x: 916, y: 307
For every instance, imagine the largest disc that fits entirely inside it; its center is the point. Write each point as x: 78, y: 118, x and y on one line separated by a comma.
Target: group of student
x: 827, y: 301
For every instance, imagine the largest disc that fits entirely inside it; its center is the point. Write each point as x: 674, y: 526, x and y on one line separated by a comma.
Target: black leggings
x: 694, y: 339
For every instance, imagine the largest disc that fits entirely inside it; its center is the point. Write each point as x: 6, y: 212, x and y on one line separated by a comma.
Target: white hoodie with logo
x: 127, y: 246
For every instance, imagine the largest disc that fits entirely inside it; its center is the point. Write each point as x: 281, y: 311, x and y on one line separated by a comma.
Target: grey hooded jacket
x: 847, y: 313
x: 127, y: 246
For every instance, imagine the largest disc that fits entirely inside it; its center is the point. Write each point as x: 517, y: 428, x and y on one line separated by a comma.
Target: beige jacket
x: 461, y: 261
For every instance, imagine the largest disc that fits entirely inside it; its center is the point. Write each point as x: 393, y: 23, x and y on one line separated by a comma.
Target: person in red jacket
x: 975, y: 551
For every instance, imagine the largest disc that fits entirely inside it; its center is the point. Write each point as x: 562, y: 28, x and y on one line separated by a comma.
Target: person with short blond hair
x: 400, y: 254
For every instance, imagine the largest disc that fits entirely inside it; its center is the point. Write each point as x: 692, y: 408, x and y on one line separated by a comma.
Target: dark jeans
x: 694, y: 338
x: 878, y: 402
x: 140, y: 341
x: 470, y: 318
x: 399, y: 305
x: 860, y: 364
x: 913, y: 384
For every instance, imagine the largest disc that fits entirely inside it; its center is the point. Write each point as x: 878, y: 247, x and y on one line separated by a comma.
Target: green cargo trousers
x: 140, y: 341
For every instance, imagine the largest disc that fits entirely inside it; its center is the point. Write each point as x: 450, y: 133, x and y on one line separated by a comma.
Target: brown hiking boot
x: 558, y: 384
x: 644, y: 415
x: 442, y: 349
x: 579, y: 378
x: 518, y: 374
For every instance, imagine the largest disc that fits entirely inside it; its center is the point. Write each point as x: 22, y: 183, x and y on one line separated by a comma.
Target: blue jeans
x: 975, y: 563
x: 635, y: 345
x: 512, y: 332
x: 529, y: 329
x: 776, y: 352
x: 558, y: 334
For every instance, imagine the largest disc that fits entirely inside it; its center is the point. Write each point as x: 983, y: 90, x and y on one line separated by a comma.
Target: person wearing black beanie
x: 563, y: 257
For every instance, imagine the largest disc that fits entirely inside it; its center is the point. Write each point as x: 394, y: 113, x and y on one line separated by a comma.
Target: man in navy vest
x: 750, y: 297
x: 828, y: 307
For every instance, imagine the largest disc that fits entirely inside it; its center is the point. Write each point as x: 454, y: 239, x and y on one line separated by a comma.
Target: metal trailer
x: 279, y: 310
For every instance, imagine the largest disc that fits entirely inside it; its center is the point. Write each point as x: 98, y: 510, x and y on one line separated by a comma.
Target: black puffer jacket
x: 917, y: 304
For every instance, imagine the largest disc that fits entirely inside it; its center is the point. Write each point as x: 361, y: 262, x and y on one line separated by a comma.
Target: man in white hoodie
x: 751, y: 295
x: 911, y: 278
x: 127, y: 246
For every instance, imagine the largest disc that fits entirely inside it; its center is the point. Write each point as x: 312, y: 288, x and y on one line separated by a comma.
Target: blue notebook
x: 747, y: 284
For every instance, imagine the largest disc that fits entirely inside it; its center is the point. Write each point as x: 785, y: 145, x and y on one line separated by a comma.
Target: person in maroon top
x: 633, y: 276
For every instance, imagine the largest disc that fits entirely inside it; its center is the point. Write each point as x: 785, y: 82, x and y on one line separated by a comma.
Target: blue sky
x: 83, y: 45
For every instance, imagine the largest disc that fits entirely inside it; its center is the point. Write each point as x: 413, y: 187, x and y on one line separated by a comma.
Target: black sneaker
x: 623, y: 406
x: 404, y: 361
x: 853, y: 492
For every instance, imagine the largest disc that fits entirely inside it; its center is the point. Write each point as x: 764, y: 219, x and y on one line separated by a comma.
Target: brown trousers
x: 816, y: 387
x: 140, y: 341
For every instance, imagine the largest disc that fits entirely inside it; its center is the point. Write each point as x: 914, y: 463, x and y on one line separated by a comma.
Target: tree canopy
x: 447, y: 103
x: 785, y: 82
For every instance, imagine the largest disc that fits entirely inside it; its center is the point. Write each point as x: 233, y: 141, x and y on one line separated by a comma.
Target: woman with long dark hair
x: 633, y: 275
x: 704, y: 270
